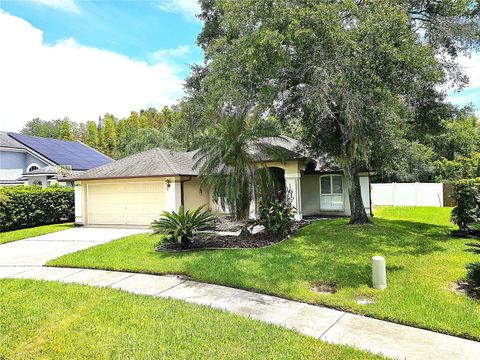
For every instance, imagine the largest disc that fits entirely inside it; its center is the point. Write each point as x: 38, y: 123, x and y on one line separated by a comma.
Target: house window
x: 38, y: 182
x: 331, y: 192
x: 32, y: 167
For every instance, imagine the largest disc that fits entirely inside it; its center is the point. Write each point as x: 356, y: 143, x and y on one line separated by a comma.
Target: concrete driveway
x: 38, y: 250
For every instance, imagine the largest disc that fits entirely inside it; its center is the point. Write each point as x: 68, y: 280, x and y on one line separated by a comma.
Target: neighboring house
x: 41, y: 161
x: 136, y: 189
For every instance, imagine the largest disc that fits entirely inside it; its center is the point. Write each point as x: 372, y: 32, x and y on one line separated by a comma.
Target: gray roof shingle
x: 164, y: 162
x: 9, y: 142
x: 153, y: 162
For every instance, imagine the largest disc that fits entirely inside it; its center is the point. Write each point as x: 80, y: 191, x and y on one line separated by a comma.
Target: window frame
x: 332, y: 194
x: 29, y: 167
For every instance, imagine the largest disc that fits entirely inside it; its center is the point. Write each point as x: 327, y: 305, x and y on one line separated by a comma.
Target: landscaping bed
x: 215, y: 241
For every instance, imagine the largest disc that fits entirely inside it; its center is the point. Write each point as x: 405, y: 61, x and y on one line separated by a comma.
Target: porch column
x: 252, y: 211
x: 173, y: 195
x: 78, y: 204
x: 292, y: 182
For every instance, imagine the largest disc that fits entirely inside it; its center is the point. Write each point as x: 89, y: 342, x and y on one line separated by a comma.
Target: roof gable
x: 74, y: 153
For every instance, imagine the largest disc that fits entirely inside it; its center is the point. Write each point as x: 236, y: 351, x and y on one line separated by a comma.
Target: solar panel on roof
x: 73, y: 153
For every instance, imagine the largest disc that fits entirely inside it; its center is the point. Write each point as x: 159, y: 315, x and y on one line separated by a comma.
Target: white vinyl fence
x: 408, y: 194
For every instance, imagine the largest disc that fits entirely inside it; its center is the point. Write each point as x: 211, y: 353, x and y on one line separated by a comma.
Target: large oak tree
x: 350, y: 70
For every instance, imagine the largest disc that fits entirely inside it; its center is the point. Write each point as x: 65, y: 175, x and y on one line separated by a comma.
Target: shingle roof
x: 73, y: 153
x: 154, y: 162
x: 7, y: 141
x: 324, y: 164
x: 164, y: 162
x: 278, y: 148
x: 291, y: 149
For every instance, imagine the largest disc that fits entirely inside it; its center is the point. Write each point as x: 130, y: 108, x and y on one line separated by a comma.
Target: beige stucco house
x: 136, y: 189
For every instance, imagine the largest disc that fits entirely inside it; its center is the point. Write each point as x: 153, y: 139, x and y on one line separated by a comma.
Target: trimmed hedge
x: 29, y: 206
x: 466, y: 194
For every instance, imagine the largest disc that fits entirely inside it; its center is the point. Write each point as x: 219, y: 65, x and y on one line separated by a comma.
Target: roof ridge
x: 167, y: 161
x: 44, y: 137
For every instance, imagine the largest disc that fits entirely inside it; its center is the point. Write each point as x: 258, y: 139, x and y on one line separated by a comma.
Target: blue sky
x: 84, y: 58
x: 137, y: 29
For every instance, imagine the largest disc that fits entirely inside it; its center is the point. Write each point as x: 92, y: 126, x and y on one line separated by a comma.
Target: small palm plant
x: 180, y: 228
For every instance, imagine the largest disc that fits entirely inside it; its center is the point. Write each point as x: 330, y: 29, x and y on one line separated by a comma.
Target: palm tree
x: 229, y: 162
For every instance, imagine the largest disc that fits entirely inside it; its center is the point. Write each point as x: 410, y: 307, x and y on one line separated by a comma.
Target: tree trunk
x: 358, y: 214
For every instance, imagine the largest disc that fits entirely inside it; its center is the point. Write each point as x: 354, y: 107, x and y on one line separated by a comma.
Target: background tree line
x: 169, y: 128
x: 449, y: 151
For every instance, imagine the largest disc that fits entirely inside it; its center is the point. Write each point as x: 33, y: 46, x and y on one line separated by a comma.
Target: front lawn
x: 423, y: 261
x: 30, y: 232
x: 52, y: 320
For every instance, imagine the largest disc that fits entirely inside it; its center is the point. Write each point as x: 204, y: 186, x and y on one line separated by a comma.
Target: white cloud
x: 188, y: 8
x: 179, y: 52
x: 471, y: 67
x: 64, y: 5
x: 69, y: 79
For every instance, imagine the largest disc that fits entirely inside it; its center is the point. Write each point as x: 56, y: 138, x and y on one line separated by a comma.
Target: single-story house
x: 136, y: 189
x: 33, y: 160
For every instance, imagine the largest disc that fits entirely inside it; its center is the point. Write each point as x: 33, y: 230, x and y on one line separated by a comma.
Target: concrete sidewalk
x: 330, y: 325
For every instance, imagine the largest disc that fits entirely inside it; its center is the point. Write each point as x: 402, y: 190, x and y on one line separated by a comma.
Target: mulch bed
x: 472, y: 234
x: 464, y: 287
x: 218, y: 242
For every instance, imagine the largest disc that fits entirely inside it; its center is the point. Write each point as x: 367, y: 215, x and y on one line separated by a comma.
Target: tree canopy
x: 350, y: 70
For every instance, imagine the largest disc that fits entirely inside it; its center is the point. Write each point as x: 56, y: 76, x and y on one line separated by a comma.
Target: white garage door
x: 125, y: 203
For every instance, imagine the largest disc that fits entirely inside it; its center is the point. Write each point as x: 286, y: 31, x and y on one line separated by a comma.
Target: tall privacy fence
x: 412, y: 194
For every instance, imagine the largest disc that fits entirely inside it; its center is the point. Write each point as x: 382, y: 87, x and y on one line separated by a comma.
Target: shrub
x: 466, y: 194
x: 180, y: 228
x: 460, y: 168
x: 28, y: 206
x: 473, y: 276
x: 276, y: 215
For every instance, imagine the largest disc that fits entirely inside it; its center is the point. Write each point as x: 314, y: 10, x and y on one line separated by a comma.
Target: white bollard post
x: 379, y: 273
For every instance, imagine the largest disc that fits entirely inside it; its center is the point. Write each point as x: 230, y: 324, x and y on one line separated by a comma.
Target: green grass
x: 423, y: 264
x: 51, y: 320
x: 14, y: 235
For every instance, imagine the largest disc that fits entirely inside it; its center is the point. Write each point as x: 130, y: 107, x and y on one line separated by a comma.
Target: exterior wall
x: 311, y: 196
x: 173, y: 195
x: 117, y: 200
x: 192, y: 196
x: 124, y: 201
x: 293, y: 182
x: 33, y: 179
x: 79, y: 201
x: 30, y: 159
x: 12, y: 164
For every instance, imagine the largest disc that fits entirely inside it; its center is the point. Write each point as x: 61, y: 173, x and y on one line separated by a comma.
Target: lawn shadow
x: 474, y: 248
